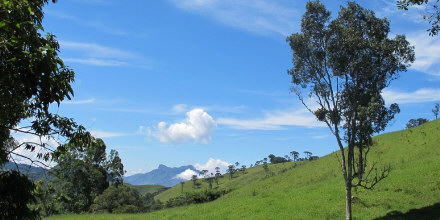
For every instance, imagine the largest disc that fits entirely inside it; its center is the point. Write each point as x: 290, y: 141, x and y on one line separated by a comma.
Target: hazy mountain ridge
x: 33, y: 173
x: 163, y: 175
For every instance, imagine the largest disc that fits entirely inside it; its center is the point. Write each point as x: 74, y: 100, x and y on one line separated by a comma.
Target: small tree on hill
x: 308, y: 155
x: 194, y: 180
x: 266, y: 168
x: 209, y: 179
x: 231, y: 170
x: 344, y: 65
x: 203, y: 172
x: 436, y: 109
x: 416, y: 122
x: 294, y: 155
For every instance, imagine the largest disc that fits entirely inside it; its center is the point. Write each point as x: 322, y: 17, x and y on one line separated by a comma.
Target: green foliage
x: 275, y: 159
x: 195, y: 197
x: 32, y: 77
x: 118, y: 199
x: 416, y: 122
x: 46, y: 197
x: 83, y: 173
x: 16, y: 194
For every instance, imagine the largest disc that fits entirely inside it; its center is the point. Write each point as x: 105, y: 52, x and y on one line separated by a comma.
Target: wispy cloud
x: 105, y: 134
x: 427, y: 51
x: 275, y: 120
x: 79, y: 102
x: 257, y: 16
x: 98, y: 25
x: 418, y: 96
x: 320, y: 136
x: 98, y: 55
x: 95, y: 62
x: 96, y: 50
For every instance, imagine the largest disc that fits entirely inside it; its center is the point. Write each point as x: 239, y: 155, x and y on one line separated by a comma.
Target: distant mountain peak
x: 161, y: 166
x: 163, y: 175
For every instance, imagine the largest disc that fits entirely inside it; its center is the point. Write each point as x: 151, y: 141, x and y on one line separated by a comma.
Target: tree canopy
x: 83, y: 175
x: 32, y: 78
x: 343, y: 65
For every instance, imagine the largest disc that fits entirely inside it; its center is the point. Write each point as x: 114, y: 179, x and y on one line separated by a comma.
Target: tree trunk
x: 347, y: 201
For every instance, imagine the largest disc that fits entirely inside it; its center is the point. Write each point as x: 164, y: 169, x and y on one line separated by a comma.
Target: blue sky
x: 204, y: 82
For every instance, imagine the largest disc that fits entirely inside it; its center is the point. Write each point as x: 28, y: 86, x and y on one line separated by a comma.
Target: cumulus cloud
x: 197, y: 126
x: 212, y: 164
x: 186, y: 175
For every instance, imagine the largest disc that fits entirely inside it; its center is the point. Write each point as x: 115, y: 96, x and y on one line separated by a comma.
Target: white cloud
x: 186, y: 175
x: 198, y: 126
x: 427, y: 51
x: 258, y: 16
x: 274, y: 121
x: 212, y: 164
x: 418, y: 96
x: 104, y: 134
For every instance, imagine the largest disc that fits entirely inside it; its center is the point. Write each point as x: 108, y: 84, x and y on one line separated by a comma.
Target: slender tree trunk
x: 348, y: 201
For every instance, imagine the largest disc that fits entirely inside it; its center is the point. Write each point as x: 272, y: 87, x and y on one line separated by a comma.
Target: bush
x: 195, y: 197
x: 120, y: 199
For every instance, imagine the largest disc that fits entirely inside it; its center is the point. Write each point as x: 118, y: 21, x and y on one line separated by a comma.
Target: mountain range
x: 163, y: 175
x: 32, y: 172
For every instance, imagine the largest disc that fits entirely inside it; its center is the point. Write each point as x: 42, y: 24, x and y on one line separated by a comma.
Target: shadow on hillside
x: 428, y: 212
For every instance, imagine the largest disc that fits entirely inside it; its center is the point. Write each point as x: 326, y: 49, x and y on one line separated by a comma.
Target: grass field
x: 315, y: 190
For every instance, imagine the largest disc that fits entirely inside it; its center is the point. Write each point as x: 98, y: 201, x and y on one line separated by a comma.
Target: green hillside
x: 239, y: 180
x: 144, y: 189
x: 315, y: 190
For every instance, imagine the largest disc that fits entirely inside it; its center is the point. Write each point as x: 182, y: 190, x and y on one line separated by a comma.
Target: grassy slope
x: 239, y: 180
x: 315, y: 189
x: 144, y: 189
